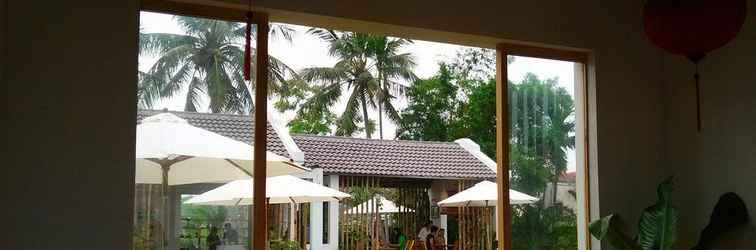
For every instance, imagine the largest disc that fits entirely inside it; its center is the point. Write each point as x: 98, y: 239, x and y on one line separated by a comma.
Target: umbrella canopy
x: 484, y: 194
x: 386, y: 207
x: 279, y: 189
x: 193, y: 155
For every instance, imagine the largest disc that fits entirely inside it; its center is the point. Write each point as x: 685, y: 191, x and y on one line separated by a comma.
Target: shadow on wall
x: 729, y: 226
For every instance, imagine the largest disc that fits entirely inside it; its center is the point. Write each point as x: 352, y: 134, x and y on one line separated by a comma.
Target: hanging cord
x: 697, y: 77
x: 247, y: 43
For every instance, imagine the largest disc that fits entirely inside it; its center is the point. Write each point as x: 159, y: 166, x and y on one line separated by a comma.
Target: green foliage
x: 204, y: 215
x: 460, y: 101
x: 657, y: 227
x: 315, y: 123
x: 608, y: 228
x: 432, y: 106
x: 536, y: 227
x: 284, y: 245
x: 368, y: 69
x: 658, y: 223
x: 207, y: 61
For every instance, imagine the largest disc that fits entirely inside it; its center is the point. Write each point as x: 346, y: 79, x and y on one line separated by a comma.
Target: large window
x: 519, y: 110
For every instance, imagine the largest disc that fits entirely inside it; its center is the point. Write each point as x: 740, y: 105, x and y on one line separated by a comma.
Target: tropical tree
x: 391, y: 66
x: 460, y: 101
x: 206, y: 62
x: 368, y: 68
x: 431, y: 110
x: 542, y: 122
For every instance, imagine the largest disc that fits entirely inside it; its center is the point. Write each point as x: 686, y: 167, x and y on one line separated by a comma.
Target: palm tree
x: 207, y: 61
x: 543, y: 122
x: 391, y: 66
x: 368, y: 66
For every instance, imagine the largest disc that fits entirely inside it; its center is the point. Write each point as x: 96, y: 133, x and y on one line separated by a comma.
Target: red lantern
x: 693, y: 28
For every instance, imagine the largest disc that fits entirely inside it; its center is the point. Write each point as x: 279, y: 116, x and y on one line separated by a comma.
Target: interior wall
x: 70, y: 87
x: 722, y: 157
x: 72, y: 105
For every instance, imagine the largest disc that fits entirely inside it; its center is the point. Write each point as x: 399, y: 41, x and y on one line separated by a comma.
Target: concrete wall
x: 71, y: 83
x: 69, y: 87
x: 722, y: 158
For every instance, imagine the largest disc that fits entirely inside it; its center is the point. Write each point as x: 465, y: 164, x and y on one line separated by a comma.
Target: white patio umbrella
x: 279, y: 190
x: 484, y: 194
x: 172, y: 152
x: 169, y: 151
x: 386, y: 207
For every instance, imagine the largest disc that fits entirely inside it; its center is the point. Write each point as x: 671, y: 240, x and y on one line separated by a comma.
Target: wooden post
x: 503, y: 214
x: 260, y: 230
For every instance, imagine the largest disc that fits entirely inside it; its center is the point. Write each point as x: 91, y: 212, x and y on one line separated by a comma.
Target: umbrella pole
x: 165, y: 219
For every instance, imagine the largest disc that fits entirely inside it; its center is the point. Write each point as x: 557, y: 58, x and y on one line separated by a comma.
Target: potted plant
x: 657, y: 227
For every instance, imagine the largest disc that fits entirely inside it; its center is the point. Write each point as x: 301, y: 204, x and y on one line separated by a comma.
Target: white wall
x: 69, y: 89
x: 722, y: 158
x: 71, y: 84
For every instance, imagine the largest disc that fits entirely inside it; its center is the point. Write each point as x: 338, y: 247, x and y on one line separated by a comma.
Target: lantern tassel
x: 248, y: 47
x: 697, y: 77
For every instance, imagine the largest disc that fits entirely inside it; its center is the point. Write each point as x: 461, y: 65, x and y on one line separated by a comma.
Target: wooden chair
x: 410, y: 245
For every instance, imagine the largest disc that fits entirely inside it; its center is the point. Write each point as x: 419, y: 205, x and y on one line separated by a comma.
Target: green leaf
x: 657, y: 228
x: 608, y: 228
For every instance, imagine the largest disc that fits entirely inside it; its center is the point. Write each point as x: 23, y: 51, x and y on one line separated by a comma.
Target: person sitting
x: 430, y: 240
x: 424, y: 231
x: 402, y: 238
x: 213, y: 241
x: 230, y: 235
x: 440, y: 240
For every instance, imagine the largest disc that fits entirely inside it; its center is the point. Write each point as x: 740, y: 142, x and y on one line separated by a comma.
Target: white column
x: 333, y: 217
x: 442, y: 223
x: 316, y: 215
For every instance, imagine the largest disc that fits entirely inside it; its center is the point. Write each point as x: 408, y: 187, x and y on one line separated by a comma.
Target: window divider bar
x: 503, y: 214
x: 261, y: 129
x: 543, y: 52
x: 202, y: 11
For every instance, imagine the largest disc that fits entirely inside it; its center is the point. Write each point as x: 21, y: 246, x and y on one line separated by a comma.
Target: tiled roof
x: 237, y: 127
x: 352, y: 156
x: 391, y: 158
x: 568, y: 177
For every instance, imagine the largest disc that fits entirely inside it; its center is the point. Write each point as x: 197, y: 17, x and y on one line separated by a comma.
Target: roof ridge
x: 193, y: 113
x: 371, y: 139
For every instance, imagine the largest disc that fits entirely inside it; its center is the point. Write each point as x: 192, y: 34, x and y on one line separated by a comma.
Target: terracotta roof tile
x: 394, y: 158
x: 352, y: 156
x: 237, y: 127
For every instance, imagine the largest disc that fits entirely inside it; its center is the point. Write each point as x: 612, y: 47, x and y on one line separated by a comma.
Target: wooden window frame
x: 261, y: 19
x: 503, y: 50
x: 258, y: 233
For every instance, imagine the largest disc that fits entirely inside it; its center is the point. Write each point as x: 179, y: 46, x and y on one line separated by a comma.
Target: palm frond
x: 195, y: 90
x: 159, y: 43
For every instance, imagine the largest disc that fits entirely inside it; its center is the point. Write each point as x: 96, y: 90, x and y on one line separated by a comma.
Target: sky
x: 308, y: 51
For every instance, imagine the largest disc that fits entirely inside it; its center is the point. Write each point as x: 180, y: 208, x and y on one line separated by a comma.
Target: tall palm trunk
x: 365, y: 118
x: 380, y: 118
x: 380, y: 105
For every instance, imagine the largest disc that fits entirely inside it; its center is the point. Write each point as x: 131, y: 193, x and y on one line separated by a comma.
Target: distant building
x: 425, y: 170
x: 566, y: 192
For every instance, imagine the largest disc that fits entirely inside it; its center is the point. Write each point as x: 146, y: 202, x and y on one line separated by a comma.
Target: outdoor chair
x: 410, y: 245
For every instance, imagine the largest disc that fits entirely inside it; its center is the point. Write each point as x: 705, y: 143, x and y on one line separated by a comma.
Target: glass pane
x: 543, y: 153
x: 193, y: 110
